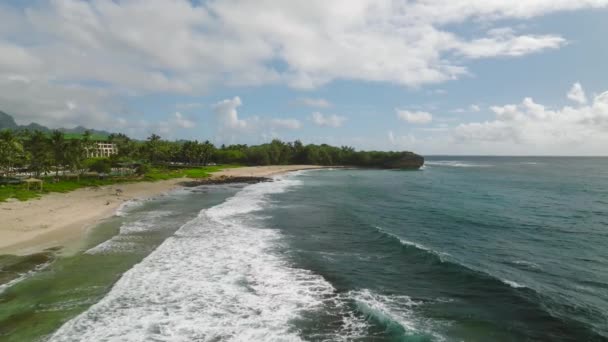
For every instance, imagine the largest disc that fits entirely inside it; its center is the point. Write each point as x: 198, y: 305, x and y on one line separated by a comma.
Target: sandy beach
x: 63, y: 219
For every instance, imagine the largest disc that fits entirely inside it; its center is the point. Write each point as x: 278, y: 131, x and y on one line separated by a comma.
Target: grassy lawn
x: 66, y: 185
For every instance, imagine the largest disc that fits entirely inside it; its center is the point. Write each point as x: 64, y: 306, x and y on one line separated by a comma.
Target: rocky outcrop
x: 224, y: 180
x: 406, y: 161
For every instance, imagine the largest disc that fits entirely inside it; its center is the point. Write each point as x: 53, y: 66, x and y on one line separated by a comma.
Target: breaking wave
x: 218, y: 278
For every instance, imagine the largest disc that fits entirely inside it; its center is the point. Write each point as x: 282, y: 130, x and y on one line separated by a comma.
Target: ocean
x: 466, y: 249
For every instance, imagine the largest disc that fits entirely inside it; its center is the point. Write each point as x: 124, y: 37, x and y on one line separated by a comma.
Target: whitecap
x: 394, y: 309
x: 403, y: 241
x: 512, y: 284
x: 526, y: 264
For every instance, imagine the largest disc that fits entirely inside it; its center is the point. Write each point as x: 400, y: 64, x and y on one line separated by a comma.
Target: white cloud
x: 286, y: 123
x: 53, y: 105
x: 529, y: 128
x: 313, y: 102
x: 474, y: 108
x: 332, y: 120
x: 187, y: 46
x: 228, y: 115
x: 134, y: 46
x: 182, y: 122
x: 577, y: 94
x: 417, y: 117
x: 507, y: 44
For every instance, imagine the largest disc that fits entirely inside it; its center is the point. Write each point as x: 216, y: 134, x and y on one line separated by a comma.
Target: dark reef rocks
x: 406, y: 161
x: 225, y: 180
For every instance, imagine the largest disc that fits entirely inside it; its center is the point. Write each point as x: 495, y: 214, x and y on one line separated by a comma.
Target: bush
x: 100, y: 165
x: 142, y: 169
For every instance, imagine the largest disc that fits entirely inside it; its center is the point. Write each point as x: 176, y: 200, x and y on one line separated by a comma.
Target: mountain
x: 8, y: 122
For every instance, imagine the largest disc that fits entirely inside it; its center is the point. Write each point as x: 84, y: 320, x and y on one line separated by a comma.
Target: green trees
x: 127, y: 148
x: 40, y: 152
x: 100, y: 165
x: 11, y: 152
x: 38, y: 148
x: 75, y: 154
x: 58, y: 150
x: 153, y: 149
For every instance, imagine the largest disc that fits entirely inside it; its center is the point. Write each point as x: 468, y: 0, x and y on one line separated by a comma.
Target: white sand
x: 62, y: 219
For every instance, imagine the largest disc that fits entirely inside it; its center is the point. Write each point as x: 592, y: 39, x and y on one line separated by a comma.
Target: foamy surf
x: 23, y: 276
x: 129, y: 235
x: 217, y: 279
x: 513, y: 284
x: 455, y: 163
x: 394, y: 312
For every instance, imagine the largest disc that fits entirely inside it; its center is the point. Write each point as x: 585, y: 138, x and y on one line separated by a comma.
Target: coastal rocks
x: 406, y: 161
x: 225, y: 180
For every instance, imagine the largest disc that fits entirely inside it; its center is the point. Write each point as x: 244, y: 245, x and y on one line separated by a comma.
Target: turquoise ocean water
x: 467, y: 249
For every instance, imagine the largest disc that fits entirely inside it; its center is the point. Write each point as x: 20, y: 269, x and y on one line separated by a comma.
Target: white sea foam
x: 455, y: 163
x: 23, y: 276
x: 219, y: 278
x: 403, y: 241
x: 394, y: 309
x: 527, y: 264
x: 127, y: 206
x: 126, y: 240
x: 513, y: 284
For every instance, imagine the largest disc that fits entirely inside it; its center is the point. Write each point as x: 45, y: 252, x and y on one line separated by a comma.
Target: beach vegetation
x: 65, y: 162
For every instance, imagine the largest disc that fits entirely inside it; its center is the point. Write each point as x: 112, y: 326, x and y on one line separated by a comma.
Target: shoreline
x: 64, y: 219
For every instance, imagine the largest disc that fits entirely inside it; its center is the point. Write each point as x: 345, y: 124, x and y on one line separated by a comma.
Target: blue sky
x: 436, y: 77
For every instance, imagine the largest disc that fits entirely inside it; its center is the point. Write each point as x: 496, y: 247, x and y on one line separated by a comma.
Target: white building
x: 102, y: 149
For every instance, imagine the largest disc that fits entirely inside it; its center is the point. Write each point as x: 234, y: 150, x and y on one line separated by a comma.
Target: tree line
x: 43, y: 153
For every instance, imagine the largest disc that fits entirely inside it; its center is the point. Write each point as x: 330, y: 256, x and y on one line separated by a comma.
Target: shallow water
x: 35, y: 304
x: 473, y: 249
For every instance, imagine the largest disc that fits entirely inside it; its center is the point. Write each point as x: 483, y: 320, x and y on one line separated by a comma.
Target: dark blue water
x: 469, y: 248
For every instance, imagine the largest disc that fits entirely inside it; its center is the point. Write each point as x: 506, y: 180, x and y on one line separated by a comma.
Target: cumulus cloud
x: 134, y: 47
x: 234, y: 129
x: 416, y: 117
x: 313, y: 102
x: 332, y: 120
x: 529, y: 126
x: 577, y: 94
x: 228, y: 115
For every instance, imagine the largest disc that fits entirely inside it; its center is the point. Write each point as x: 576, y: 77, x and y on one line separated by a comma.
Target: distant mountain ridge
x: 8, y: 122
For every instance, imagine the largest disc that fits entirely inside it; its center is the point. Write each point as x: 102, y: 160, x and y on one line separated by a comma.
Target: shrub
x: 142, y: 169
x: 100, y: 165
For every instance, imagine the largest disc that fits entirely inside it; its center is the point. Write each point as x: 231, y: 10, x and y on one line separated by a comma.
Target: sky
x: 474, y: 77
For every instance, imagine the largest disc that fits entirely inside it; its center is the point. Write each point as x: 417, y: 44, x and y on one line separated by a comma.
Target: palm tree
x: 57, y: 142
x: 74, y: 155
x: 38, y: 148
x: 207, y: 150
x: 152, y: 148
x: 10, y: 151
